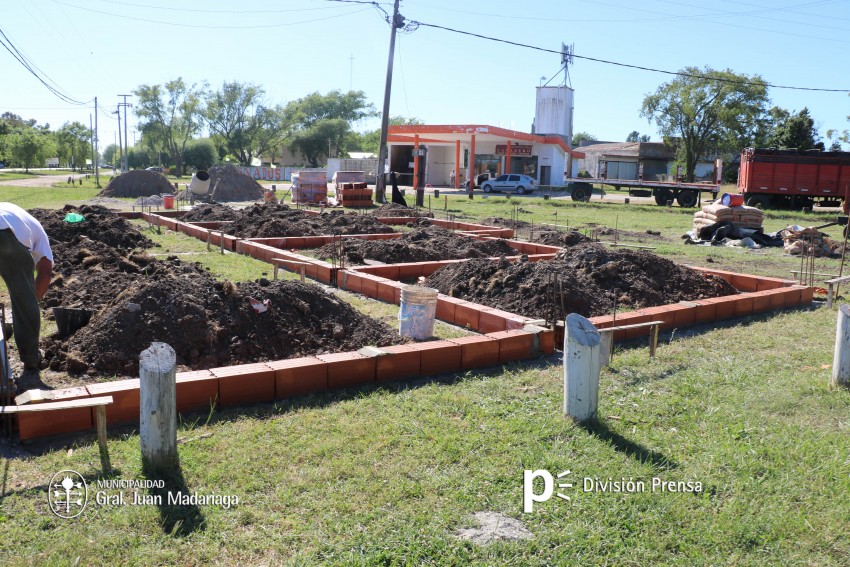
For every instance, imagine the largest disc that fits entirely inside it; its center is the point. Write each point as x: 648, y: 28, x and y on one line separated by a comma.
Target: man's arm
x: 43, y: 273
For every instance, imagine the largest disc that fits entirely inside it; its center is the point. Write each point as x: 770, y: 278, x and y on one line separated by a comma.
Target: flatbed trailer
x: 686, y: 194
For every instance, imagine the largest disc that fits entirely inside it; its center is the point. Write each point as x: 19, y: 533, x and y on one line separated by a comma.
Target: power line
x: 210, y: 11
x: 638, y: 67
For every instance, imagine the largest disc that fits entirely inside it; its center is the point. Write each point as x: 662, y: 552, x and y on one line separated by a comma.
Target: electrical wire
x: 210, y: 11
x: 627, y: 65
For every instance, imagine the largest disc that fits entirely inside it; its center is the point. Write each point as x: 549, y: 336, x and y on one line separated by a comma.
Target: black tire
x: 662, y: 197
x: 760, y: 201
x: 581, y: 192
x: 687, y: 199
x: 487, y: 187
x: 520, y: 190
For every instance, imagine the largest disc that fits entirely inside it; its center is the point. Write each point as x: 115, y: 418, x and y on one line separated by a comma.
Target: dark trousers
x: 16, y: 269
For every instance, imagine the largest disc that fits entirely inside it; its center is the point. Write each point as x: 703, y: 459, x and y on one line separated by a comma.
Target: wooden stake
x: 581, y: 368
x: 100, y: 415
x: 158, y: 408
x: 841, y: 358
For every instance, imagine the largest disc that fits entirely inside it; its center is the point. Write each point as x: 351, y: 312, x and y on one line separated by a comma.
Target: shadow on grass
x: 176, y: 517
x: 601, y: 431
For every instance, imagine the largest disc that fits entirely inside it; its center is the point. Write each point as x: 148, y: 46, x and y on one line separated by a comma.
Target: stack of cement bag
x: 741, y: 216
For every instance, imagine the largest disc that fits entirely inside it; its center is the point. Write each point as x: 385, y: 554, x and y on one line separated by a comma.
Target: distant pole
x: 581, y: 368
x: 91, y: 135
x: 841, y: 358
x: 120, y: 147
x: 381, y: 182
x: 126, y: 138
x: 96, y: 149
x: 158, y: 408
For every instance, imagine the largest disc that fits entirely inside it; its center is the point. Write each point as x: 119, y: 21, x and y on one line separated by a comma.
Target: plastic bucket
x: 69, y: 320
x: 731, y: 200
x: 168, y: 201
x: 417, y: 312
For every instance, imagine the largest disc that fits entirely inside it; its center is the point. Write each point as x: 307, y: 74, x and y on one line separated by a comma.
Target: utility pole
x: 91, y: 130
x: 96, y: 150
x: 126, y: 139
x: 381, y: 181
x: 120, y: 148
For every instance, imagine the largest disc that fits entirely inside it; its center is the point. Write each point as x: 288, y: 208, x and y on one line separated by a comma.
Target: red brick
x: 125, y: 399
x: 770, y: 283
x: 446, y: 308
x: 778, y: 298
x: 807, y: 295
x: 546, y: 341
x: 744, y: 306
x: 244, y: 384
x: 403, y: 361
x: 409, y: 270
x: 467, y: 314
x: 387, y: 292
x: 492, y: 320
x: 41, y: 424
x: 602, y: 321
x: 348, y: 369
x: 324, y: 273
x: 353, y: 281
x: 299, y: 376
x: 369, y: 287
x: 439, y: 357
x: 705, y: 312
x: 515, y: 345
x: 196, y: 390
x: 744, y: 282
x: 725, y: 307
x: 477, y: 351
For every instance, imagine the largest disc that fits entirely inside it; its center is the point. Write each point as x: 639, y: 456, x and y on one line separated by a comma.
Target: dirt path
x: 39, y: 181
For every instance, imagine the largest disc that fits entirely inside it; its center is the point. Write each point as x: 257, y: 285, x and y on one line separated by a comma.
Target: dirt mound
x: 559, y: 238
x: 268, y: 220
x: 589, y: 276
x: 211, y: 212
x: 508, y: 223
x: 137, y: 183
x: 100, y: 224
x: 228, y: 183
x: 421, y: 245
x: 396, y: 210
x: 138, y: 299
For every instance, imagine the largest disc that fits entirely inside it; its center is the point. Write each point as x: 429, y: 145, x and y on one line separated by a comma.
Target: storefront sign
x: 516, y: 150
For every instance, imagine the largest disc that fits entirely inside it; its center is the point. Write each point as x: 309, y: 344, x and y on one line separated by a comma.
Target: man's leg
x: 16, y: 268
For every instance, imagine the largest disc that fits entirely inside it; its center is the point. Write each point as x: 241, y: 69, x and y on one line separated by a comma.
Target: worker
x: 23, y: 247
x: 452, y: 178
x: 270, y: 196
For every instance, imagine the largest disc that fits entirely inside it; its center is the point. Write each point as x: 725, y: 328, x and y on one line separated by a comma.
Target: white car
x: 510, y: 182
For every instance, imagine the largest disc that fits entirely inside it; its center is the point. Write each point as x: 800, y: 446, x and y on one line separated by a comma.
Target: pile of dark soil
x: 138, y: 299
x: 560, y: 238
x: 137, y: 183
x: 508, y: 223
x: 590, y: 278
x: 425, y: 244
x: 396, y: 210
x: 268, y: 220
x: 228, y: 183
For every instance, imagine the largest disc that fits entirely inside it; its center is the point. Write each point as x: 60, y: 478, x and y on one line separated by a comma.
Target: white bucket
x: 417, y: 312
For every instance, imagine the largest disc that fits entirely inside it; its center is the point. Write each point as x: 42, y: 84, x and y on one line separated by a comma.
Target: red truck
x: 793, y: 179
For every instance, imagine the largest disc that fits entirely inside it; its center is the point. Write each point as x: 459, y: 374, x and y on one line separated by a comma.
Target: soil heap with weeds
x: 590, y: 279
x: 559, y: 238
x: 420, y: 245
x: 396, y: 210
x: 228, y: 183
x: 205, y: 212
x: 137, y: 183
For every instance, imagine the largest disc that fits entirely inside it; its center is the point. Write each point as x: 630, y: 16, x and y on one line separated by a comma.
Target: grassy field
x: 388, y: 475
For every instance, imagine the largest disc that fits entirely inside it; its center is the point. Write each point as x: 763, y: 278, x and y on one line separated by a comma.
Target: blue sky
x: 293, y: 47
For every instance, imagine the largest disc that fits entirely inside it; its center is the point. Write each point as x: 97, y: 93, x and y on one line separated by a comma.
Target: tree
x: 579, y: 137
x: 170, y: 116
x: 73, y: 144
x: 28, y: 147
x: 793, y: 130
x: 636, y: 136
x: 110, y: 153
x: 200, y: 154
x: 322, y: 122
x: 371, y: 141
x: 835, y: 146
x: 706, y: 110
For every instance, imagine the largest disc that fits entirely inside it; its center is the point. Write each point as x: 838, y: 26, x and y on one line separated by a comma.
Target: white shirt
x: 27, y: 230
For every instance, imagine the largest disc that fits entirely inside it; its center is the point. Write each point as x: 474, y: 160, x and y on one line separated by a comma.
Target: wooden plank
x: 635, y: 326
x: 51, y: 406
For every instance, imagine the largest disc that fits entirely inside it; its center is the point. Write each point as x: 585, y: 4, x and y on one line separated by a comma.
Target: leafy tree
x: 73, y: 144
x: 322, y: 122
x: 835, y: 146
x: 579, y: 137
x: 110, y: 154
x: 793, y: 130
x: 636, y: 136
x: 200, y: 154
x: 28, y: 146
x: 170, y: 116
x: 706, y: 110
x: 371, y: 141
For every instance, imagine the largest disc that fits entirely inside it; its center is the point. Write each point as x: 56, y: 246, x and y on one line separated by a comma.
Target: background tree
x: 706, y: 110
x: 636, y: 136
x: 323, y: 122
x: 236, y: 117
x: 200, y: 154
x: 793, y: 130
x: 73, y: 144
x: 371, y: 141
x: 110, y: 154
x: 579, y: 137
x: 29, y: 147
x: 170, y: 116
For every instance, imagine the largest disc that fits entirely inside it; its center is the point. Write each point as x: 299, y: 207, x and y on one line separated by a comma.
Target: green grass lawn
x: 387, y: 475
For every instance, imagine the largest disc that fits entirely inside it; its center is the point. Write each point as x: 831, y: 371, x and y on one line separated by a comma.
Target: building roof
x: 449, y: 133
x: 652, y: 150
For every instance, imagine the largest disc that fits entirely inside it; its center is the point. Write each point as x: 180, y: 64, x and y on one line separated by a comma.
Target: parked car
x: 155, y: 169
x: 480, y: 179
x: 510, y: 182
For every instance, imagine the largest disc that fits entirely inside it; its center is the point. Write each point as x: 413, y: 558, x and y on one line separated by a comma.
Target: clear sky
x: 104, y: 48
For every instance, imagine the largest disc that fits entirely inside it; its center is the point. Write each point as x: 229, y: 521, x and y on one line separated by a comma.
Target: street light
x: 541, y: 80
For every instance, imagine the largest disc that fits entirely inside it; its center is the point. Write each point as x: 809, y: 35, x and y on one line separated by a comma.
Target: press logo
x: 67, y: 494
x: 530, y: 497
